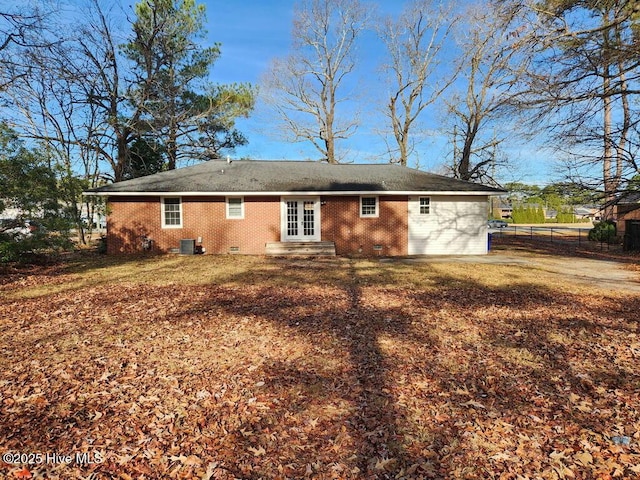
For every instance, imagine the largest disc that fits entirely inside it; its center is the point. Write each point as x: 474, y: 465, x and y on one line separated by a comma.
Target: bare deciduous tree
x: 414, y: 43
x: 20, y: 28
x: 47, y: 105
x: 307, y: 87
x: 105, y: 92
x: 584, y: 81
x: 490, y: 66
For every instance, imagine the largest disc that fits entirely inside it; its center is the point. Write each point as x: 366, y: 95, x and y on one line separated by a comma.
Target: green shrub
x: 102, y: 244
x: 603, y: 231
x: 19, y: 248
x: 8, y: 249
x: 566, y: 215
x: 528, y: 214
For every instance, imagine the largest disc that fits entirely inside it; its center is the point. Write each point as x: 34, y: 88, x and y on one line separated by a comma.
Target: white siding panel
x: 455, y: 225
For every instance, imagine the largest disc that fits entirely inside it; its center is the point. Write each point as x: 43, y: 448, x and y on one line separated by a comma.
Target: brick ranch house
x: 628, y: 220
x: 250, y: 206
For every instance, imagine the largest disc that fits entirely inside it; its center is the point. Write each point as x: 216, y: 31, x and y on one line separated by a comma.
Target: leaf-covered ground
x: 236, y: 367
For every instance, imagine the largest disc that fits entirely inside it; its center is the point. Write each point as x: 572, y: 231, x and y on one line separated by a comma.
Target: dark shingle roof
x: 270, y: 176
x: 629, y: 198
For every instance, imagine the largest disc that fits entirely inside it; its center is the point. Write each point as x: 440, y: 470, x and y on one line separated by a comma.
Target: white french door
x: 300, y: 219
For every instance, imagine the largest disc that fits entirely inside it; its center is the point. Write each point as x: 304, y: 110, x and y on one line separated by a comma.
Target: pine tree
x: 185, y: 114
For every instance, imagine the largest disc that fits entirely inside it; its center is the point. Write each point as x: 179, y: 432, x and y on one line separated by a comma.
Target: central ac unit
x: 187, y: 246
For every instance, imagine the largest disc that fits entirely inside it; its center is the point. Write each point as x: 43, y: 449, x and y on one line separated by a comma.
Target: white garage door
x: 447, y: 225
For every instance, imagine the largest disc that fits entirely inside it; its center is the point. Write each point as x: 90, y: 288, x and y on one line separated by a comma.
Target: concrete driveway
x: 606, y: 274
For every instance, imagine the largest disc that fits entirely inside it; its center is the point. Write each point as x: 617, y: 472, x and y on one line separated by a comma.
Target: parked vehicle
x: 497, y: 224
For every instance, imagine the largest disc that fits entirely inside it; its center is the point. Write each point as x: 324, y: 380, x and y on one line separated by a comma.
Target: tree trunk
x: 610, y: 181
x: 122, y: 158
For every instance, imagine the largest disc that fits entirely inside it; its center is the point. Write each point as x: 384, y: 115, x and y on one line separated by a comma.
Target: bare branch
x: 414, y: 43
x: 306, y: 88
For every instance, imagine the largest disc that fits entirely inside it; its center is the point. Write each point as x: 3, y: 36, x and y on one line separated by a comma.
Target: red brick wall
x: 341, y: 223
x: 205, y: 217
x: 131, y: 217
x: 626, y: 212
x: 127, y: 219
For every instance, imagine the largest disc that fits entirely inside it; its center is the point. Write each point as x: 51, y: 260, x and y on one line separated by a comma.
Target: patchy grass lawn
x: 222, y: 367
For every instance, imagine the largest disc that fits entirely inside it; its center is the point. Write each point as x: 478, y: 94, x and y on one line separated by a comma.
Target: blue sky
x: 251, y: 33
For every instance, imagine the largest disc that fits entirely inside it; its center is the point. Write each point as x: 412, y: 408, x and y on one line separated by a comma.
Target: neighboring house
x: 503, y: 209
x: 242, y: 206
x: 628, y: 220
x: 588, y: 212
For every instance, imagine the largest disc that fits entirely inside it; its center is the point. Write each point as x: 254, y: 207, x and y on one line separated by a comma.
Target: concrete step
x: 301, y: 248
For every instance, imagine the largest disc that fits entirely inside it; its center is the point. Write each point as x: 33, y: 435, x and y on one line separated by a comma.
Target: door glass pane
x: 308, y: 218
x: 292, y: 218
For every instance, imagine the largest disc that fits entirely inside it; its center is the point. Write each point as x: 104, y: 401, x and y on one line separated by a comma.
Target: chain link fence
x: 577, y: 236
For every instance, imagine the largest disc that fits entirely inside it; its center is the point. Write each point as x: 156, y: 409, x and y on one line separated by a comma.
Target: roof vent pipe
x: 228, y: 159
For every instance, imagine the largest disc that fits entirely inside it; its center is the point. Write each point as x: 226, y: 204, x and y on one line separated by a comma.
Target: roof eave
x: 291, y: 193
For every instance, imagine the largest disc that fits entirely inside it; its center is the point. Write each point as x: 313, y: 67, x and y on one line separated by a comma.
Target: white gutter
x: 287, y: 194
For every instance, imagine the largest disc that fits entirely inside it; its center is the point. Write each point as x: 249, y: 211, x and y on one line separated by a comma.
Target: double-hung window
x: 368, y: 206
x: 235, y: 207
x: 425, y: 205
x: 171, y: 212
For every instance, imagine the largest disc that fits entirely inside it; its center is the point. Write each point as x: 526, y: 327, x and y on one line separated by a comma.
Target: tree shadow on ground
x: 475, y: 357
x: 341, y: 322
x: 374, y: 376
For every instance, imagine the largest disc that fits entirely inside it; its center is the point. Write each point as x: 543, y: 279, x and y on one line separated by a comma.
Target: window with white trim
x: 425, y: 205
x: 171, y: 212
x: 235, y: 207
x: 368, y: 206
